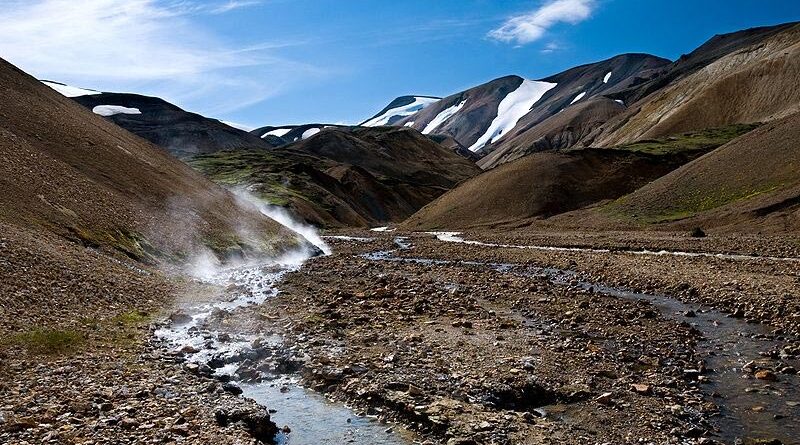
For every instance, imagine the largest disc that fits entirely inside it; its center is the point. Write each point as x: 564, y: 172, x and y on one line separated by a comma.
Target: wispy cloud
x: 154, y: 46
x: 532, y: 26
x: 233, y: 4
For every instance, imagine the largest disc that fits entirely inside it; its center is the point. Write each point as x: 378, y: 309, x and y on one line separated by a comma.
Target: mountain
x: 398, y: 109
x: 69, y: 174
x: 543, y: 185
x: 353, y: 176
x: 488, y: 117
x: 751, y: 182
x: 180, y: 132
x: 277, y: 136
x: 743, y: 77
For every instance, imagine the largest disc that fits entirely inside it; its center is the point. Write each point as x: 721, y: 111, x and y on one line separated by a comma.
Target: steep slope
x: 399, y: 109
x: 347, y: 176
x: 488, y: 117
x: 563, y: 130
x: 744, y: 77
x: 542, y: 185
x: 466, y: 116
x: 69, y: 172
x: 751, y: 179
x: 180, y: 132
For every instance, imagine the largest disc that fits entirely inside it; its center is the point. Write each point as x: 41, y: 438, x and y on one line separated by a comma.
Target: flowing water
x: 312, y: 418
x: 749, y: 408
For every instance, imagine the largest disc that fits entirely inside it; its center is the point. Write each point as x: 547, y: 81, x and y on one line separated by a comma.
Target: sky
x: 277, y: 62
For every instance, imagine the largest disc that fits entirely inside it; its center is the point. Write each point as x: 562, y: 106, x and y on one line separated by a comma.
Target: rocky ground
x: 76, y: 362
x: 476, y: 345
x: 469, y: 353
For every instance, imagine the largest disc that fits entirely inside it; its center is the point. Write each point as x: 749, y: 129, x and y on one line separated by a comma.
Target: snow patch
x: 442, y: 117
x: 511, y: 109
x: 310, y: 132
x: 238, y: 126
x: 69, y: 91
x: 402, y: 111
x: 111, y: 110
x: 619, y: 102
x: 608, y: 76
x: 578, y: 97
x: 279, y: 132
x: 409, y: 124
x: 382, y: 229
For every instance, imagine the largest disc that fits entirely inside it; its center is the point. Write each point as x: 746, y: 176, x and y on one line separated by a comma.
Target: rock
x: 767, y: 375
x: 605, y: 399
x: 641, y: 388
x: 256, y: 422
x: 180, y: 317
x: 189, y: 349
x: 232, y: 388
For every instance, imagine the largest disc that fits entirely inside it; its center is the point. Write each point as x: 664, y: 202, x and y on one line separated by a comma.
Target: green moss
x: 132, y: 318
x: 129, y: 243
x: 685, y: 208
x: 692, y: 141
x: 47, y: 340
x: 277, y: 181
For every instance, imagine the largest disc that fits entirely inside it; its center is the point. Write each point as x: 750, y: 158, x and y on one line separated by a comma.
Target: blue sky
x: 275, y: 62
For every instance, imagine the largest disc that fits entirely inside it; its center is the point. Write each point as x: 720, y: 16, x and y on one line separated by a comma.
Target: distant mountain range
x: 655, y: 110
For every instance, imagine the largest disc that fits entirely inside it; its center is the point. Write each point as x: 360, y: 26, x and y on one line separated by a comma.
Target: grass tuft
x: 48, y: 341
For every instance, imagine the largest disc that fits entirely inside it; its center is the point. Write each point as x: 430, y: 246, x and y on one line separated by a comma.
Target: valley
x: 606, y: 254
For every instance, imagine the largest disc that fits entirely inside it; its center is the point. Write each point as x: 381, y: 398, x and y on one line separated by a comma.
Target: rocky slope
x: 86, y: 210
x: 345, y: 176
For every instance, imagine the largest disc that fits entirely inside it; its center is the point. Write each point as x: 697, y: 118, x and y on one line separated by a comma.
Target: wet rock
x: 179, y: 318
x: 256, y: 422
x: 232, y: 388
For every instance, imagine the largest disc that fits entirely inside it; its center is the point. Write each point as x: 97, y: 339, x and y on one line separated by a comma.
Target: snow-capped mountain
x: 484, y: 117
x: 398, y: 109
x: 180, y: 132
x: 286, y: 134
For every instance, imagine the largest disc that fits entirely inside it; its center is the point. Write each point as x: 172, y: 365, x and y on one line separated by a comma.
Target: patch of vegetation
x: 684, y: 207
x: 692, y: 141
x: 276, y: 180
x: 47, y: 341
x: 131, y: 244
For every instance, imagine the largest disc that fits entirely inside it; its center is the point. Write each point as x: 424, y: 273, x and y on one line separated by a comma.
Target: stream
x: 749, y: 407
x: 312, y: 418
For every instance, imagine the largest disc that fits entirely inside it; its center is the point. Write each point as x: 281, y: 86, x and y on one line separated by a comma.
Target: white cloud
x: 157, y: 47
x: 531, y: 26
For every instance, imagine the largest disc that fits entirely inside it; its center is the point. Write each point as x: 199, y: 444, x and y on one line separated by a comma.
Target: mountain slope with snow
x: 180, y: 132
x: 398, y: 109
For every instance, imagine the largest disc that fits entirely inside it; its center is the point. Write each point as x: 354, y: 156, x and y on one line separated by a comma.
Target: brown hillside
x: 560, y: 131
x: 756, y: 83
x: 345, y: 176
x: 70, y: 172
x: 541, y: 185
x: 754, y: 178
